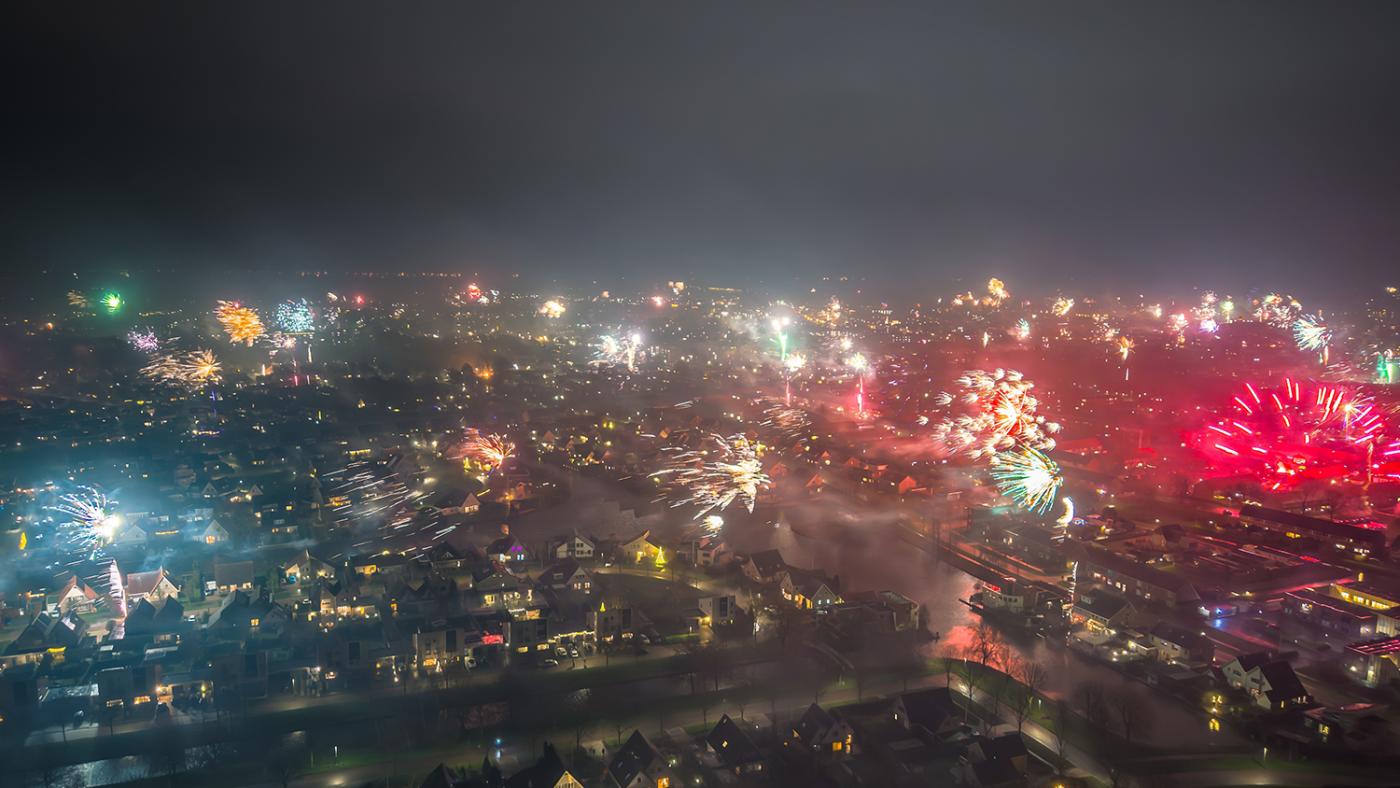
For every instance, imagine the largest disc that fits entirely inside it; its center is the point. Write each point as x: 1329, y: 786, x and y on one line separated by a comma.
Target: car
x: 643, y: 639
x: 574, y: 652
x: 78, y: 718
x: 561, y: 652
x: 549, y: 662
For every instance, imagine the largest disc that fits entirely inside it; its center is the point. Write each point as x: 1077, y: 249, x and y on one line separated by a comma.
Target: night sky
x: 1226, y: 145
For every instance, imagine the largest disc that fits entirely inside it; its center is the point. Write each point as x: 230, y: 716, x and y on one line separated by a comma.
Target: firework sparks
x: 77, y: 300
x: 1062, y: 306
x: 612, y: 351
x: 1028, y: 477
x: 193, y: 368
x: 1023, y: 329
x: 792, y: 423
x: 1313, y: 334
x: 295, y: 317
x: 553, y: 309
x: 1290, y: 435
x: 996, y: 290
x: 1003, y: 414
x: 712, y: 478
x: 241, y: 323
x: 112, y: 301
x: 92, y: 520
x: 485, y: 450
x: 1125, y: 348
x: 143, y: 340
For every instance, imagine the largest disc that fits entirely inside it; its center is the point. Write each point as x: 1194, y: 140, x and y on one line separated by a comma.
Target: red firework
x: 1299, y: 432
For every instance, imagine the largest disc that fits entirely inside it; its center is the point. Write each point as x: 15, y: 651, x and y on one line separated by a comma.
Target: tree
x: 1062, y: 718
x: 1033, y: 677
x: 1129, y: 707
x: 1092, y: 702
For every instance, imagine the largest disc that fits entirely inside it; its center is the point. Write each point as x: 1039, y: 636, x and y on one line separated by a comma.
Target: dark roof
x: 815, y: 721
x: 1283, y: 682
x: 1315, y: 526
x: 996, y: 772
x: 544, y: 774
x: 929, y: 708
x: 768, y: 562
x: 731, y: 744
x: 1106, y: 606
x: 1181, y: 636
x: 1128, y: 567
x: 1253, y: 660
x: 559, y: 572
x: 236, y: 573
x: 635, y: 757
x: 810, y: 582
x: 1008, y: 745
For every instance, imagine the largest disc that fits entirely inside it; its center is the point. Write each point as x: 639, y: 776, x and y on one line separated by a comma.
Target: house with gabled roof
x: 821, y: 733
x: 637, y: 764
x: 154, y: 585
x: 732, y: 749
x: 77, y: 597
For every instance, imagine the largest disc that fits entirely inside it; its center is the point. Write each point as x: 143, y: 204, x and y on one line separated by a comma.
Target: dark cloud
x: 1126, y: 144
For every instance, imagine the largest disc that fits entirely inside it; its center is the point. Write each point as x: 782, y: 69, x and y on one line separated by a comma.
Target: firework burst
x: 791, y: 423
x: 485, y: 450
x: 295, y: 317
x: 191, y: 368
x: 1287, y: 436
x: 1002, y: 415
x: 90, y: 520
x: 612, y: 352
x: 1028, y: 477
x: 1312, y: 334
x: 143, y: 340
x: 241, y: 323
x: 725, y: 470
x: 553, y: 309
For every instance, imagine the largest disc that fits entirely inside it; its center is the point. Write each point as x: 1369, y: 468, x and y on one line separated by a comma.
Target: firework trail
x: 712, y: 478
x: 191, y: 369
x: 1028, y: 477
x: 366, y: 489
x: 791, y: 423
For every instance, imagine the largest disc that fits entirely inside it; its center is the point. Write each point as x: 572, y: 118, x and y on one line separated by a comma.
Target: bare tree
x: 1061, y: 723
x: 1093, y: 703
x: 1133, y: 718
x: 1033, y: 677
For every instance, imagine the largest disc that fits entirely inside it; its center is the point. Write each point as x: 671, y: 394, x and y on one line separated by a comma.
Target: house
x: 132, y: 536
x: 163, y: 619
x: 899, y: 612
x: 1134, y: 578
x: 639, y: 548
x: 154, y: 585
x: 1102, y: 612
x: 611, y: 622
x: 809, y: 589
x: 637, y: 764
x: 214, y: 533
x: 447, y: 642
x: 1177, y: 644
x: 567, y: 575
x: 306, y: 567
x: 719, y: 609
x: 502, y: 590
x: 506, y: 550
x: 1374, y: 662
x: 235, y: 576
x: 77, y: 597
x: 821, y: 732
x: 548, y: 772
x: 48, y: 632
x: 998, y: 762
x: 930, y: 712
x: 575, y: 546
x: 765, y: 566
x: 454, y: 501
x: 1270, y: 683
x: 732, y: 749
